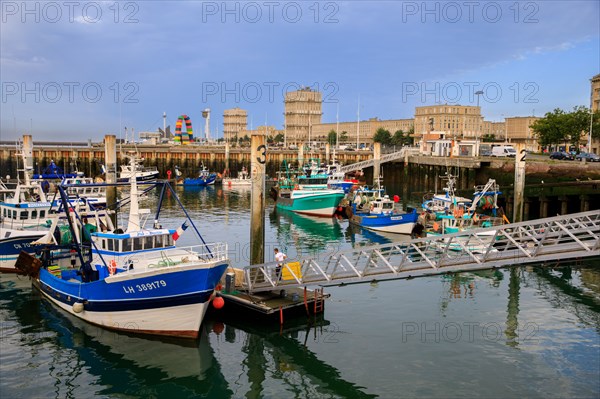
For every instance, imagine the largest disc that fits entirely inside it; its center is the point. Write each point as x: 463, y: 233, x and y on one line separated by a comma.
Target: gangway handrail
x: 384, y: 158
x: 549, y: 239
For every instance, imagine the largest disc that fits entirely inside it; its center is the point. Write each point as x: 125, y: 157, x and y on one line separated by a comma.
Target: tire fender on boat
x: 112, y: 267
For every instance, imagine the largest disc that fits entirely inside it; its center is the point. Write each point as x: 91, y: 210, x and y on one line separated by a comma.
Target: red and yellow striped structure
x: 188, y: 136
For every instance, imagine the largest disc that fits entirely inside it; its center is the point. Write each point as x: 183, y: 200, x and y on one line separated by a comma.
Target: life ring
x: 112, y: 267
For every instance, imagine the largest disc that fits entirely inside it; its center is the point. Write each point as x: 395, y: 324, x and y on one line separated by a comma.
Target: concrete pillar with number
x: 258, y: 160
x: 519, y: 185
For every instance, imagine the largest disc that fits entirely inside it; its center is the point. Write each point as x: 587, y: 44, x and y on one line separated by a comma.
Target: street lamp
x: 478, y: 93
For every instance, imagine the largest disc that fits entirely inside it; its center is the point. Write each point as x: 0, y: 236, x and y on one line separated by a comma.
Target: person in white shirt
x: 280, y: 257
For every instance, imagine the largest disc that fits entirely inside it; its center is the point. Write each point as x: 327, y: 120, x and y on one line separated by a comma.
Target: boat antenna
x: 189, y: 218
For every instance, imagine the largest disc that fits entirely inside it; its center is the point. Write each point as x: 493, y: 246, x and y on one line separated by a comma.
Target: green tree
x: 332, y: 137
x: 489, y: 138
x: 401, y: 138
x: 382, y: 136
x: 343, y: 136
x: 279, y: 138
x: 398, y: 138
x: 270, y: 139
x: 554, y: 128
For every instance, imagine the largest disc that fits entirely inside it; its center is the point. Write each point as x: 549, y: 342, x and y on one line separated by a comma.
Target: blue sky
x: 87, y: 69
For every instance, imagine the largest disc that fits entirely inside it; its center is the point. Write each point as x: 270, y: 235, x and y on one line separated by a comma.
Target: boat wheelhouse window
x: 24, y: 215
x: 111, y: 244
x: 137, y: 243
x: 14, y: 214
x: 388, y: 205
x: 126, y: 245
x: 42, y: 213
x: 159, y: 241
x: 148, y: 242
x: 34, y: 214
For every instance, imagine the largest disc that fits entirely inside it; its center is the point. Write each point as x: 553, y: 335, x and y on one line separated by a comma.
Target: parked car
x: 561, y: 155
x: 503, y: 151
x: 587, y: 156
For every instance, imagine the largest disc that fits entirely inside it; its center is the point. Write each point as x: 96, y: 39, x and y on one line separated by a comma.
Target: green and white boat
x: 322, y: 202
x: 307, y: 194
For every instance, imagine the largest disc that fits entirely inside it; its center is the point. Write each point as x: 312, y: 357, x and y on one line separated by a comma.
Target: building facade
x: 235, y: 120
x: 595, y: 93
x: 519, y: 132
x: 302, y: 111
x: 495, y: 129
x: 595, y: 106
x: 366, y: 130
x: 457, y: 121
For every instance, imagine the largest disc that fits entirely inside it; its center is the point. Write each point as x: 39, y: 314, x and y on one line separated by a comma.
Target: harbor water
x: 517, y: 332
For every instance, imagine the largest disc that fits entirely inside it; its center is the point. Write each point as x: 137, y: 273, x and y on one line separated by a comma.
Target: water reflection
x: 232, y: 358
x: 280, y: 361
x: 357, y: 235
x: 301, y: 235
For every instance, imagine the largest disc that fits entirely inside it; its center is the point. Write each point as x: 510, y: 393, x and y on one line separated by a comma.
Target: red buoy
x: 218, y: 302
x: 218, y: 327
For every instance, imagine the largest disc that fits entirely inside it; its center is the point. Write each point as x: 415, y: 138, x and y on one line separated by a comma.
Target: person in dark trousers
x: 280, y: 257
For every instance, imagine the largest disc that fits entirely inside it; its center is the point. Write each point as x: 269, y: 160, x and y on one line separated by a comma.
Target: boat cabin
x: 125, y: 243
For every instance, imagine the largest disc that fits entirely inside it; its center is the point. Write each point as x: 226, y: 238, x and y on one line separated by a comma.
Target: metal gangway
x: 553, y: 239
x: 384, y: 158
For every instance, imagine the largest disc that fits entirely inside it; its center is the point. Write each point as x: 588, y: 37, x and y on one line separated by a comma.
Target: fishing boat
x: 482, y: 213
x: 382, y: 215
x: 12, y: 242
x: 137, y: 279
x: 205, y: 178
x: 54, y: 172
x: 338, y: 179
x: 141, y: 173
x: 309, y: 202
x: 306, y: 194
x: 442, y: 204
x: 85, y: 188
x: 26, y: 206
x: 243, y: 179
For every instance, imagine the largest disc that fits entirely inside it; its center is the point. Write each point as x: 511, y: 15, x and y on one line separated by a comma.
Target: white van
x: 504, y: 151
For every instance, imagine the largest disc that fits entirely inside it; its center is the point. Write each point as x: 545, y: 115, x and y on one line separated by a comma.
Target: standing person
x: 280, y: 257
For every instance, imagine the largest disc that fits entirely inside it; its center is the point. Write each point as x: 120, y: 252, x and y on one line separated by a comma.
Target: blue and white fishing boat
x: 381, y: 215
x: 54, y: 172
x: 137, y: 279
x: 12, y: 242
x: 205, y: 178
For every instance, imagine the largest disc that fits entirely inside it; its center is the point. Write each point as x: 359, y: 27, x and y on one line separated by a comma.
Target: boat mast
x: 134, y: 209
